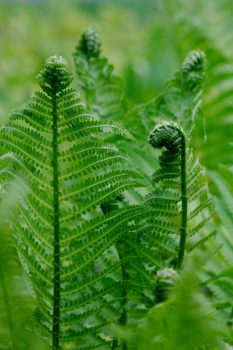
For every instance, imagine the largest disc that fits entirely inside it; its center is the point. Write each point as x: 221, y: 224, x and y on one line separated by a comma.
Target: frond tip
x: 195, y: 61
x: 167, y: 134
x: 56, y: 75
x: 193, y: 68
x: 89, y: 43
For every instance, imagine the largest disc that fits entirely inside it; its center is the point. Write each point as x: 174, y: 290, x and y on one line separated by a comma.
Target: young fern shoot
x: 170, y: 135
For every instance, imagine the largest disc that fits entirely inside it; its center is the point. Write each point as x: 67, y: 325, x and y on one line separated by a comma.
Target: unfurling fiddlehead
x: 170, y: 135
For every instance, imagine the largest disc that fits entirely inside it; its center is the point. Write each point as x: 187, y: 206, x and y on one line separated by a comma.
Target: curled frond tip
x: 55, y: 76
x: 89, y: 43
x: 196, y: 60
x: 166, y: 134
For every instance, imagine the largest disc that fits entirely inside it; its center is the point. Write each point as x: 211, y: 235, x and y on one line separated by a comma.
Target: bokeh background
x: 134, y: 33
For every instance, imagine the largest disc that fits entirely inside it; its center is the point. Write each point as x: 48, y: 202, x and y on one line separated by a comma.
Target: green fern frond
x: 68, y: 172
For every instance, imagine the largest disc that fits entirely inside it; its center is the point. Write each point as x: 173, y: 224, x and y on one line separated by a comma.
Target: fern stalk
x: 123, y: 318
x: 184, y: 200
x: 56, y: 291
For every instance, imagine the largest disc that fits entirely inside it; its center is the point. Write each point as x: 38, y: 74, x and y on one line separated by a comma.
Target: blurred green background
x: 134, y: 33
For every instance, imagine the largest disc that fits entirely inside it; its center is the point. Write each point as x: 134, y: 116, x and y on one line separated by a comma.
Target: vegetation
x: 113, y: 234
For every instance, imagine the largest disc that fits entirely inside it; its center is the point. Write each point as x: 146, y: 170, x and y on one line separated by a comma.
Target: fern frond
x: 62, y: 236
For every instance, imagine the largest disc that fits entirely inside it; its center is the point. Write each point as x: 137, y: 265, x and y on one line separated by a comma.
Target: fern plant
x: 94, y: 232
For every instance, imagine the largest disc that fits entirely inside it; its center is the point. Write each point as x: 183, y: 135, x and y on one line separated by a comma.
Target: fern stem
x: 56, y: 291
x: 123, y: 318
x: 184, y: 200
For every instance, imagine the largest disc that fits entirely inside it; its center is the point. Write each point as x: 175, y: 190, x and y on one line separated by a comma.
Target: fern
x: 68, y: 172
x: 93, y: 234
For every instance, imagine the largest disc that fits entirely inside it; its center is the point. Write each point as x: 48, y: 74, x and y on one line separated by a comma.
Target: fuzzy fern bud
x: 56, y: 75
x: 167, y: 134
x: 89, y: 43
x: 165, y: 282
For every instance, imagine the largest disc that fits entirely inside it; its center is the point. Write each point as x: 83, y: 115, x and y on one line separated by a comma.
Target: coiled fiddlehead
x: 170, y: 135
